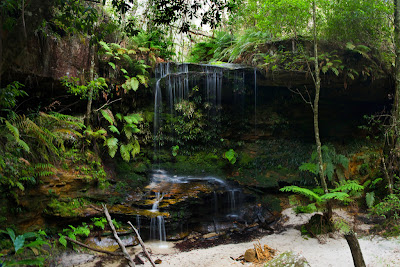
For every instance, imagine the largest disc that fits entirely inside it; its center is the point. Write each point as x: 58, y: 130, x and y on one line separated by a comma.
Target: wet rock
x: 210, y: 235
x: 288, y: 258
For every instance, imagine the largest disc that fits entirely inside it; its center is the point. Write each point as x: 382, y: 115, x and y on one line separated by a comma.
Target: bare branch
x: 297, y: 92
x: 108, y: 103
x: 121, y: 245
x: 94, y: 249
x: 142, y: 244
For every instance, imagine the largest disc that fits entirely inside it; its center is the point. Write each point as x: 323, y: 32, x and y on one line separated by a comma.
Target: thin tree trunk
x: 1, y: 45
x: 395, y: 147
x: 396, y: 107
x: 358, y: 258
x: 23, y: 19
x: 121, y: 245
x: 317, y: 81
x: 90, y: 95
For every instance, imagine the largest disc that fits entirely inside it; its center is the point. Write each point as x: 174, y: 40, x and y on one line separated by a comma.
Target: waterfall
x: 173, y: 85
x: 157, y: 224
x: 138, y: 223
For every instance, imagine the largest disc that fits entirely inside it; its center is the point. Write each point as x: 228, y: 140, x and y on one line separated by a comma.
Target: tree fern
x: 349, y: 186
x: 302, y: 191
x: 341, y: 196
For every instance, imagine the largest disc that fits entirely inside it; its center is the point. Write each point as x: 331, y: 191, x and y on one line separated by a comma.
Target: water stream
x: 176, y: 83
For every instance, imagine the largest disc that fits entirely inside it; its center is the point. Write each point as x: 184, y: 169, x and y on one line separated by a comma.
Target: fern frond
x: 309, y: 167
x: 24, y: 145
x: 136, y: 149
x: 113, y: 129
x: 133, y: 118
x: 68, y: 119
x: 107, y: 114
x: 302, y: 191
x: 329, y: 170
x: 125, y: 150
x: 118, y: 116
x: 112, y: 144
x: 13, y: 130
x: 350, y: 186
x: 341, y: 196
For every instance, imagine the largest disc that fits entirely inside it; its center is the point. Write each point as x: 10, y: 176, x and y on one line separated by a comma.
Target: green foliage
x: 370, y: 199
x: 9, y: 94
x: 124, y: 61
x: 156, y: 41
x: 349, y: 14
x: 231, y: 156
x: 20, y: 165
x: 389, y: 208
x: 21, y: 246
x: 97, y: 85
x: 333, y: 163
x: 175, y: 150
x: 130, y: 147
x: 342, y: 193
x: 302, y: 191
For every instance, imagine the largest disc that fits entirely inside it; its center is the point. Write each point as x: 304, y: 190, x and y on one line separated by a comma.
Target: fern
x: 112, y: 144
x: 107, y: 114
x: 341, y: 196
x: 13, y: 130
x: 24, y: 145
x: 136, y: 148
x: 62, y: 118
x: 133, y: 118
x: 329, y: 170
x: 350, y: 186
x: 370, y: 199
x: 125, y: 151
x: 310, y: 167
x: 302, y: 191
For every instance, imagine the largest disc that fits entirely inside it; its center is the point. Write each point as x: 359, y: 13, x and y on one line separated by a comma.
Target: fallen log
x: 94, y: 249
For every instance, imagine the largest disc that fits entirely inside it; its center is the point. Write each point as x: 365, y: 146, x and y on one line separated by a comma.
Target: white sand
x: 335, y: 252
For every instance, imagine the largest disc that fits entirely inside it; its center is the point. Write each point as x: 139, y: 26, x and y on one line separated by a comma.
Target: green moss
x: 199, y: 163
x: 273, y: 203
x: 66, y: 207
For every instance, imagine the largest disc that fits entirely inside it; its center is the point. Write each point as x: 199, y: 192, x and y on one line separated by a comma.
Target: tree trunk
x: 90, y: 95
x: 355, y: 249
x: 317, y: 82
x: 395, y: 146
x: 1, y: 45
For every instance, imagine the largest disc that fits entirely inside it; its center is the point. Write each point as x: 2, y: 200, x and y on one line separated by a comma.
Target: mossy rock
x: 317, y: 225
x: 288, y: 258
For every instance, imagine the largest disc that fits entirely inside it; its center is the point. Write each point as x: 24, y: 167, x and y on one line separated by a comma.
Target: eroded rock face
x: 41, y: 57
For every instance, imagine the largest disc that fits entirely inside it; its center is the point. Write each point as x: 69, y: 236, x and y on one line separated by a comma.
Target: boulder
x: 288, y: 258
